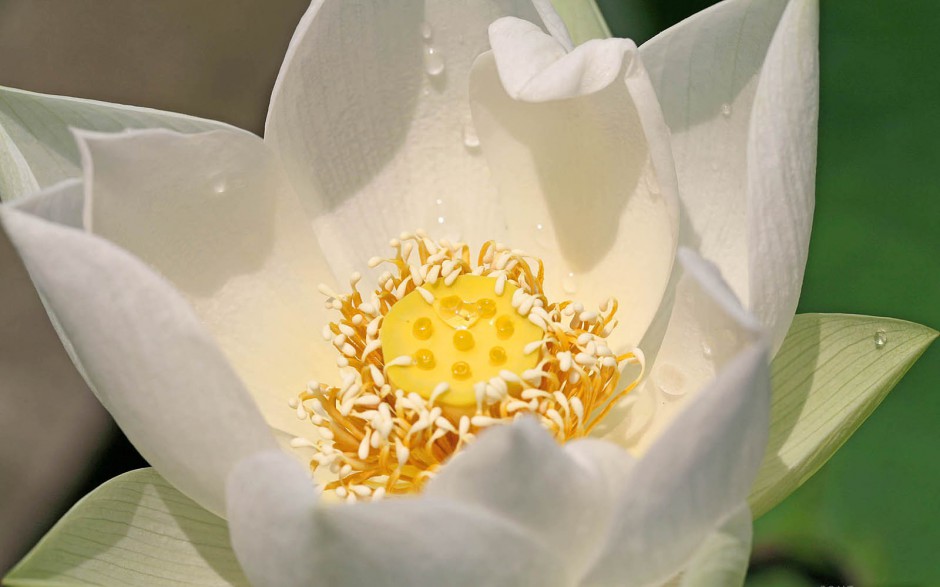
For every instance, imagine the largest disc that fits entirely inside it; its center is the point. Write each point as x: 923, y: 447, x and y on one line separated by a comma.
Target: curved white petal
x: 283, y: 538
x: 781, y: 161
x: 370, y: 116
x: 700, y: 467
x: 214, y: 214
x: 51, y: 426
x: 519, y: 472
x: 742, y: 111
x: 36, y: 142
x: 145, y: 355
x: 62, y: 203
x: 585, y: 174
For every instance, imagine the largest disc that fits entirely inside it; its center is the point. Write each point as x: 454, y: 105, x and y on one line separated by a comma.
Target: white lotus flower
x: 195, y: 317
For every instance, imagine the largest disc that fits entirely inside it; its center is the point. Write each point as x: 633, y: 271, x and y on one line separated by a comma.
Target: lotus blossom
x: 183, y: 271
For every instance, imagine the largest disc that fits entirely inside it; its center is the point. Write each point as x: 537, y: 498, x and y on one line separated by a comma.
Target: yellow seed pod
x: 469, y: 332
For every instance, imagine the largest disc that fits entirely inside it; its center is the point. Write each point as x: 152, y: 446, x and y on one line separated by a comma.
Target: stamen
x: 446, y: 347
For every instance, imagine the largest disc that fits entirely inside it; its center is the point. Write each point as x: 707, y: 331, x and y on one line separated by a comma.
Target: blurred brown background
x: 212, y: 58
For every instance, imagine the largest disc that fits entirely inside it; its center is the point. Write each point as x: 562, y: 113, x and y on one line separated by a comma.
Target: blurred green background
x: 871, y: 516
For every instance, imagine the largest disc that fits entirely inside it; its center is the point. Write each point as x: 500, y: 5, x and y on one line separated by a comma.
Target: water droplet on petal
x: 470, y: 139
x: 706, y: 350
x: 881, y: 339
x: 569, y: 285
x: 426, y: 31
x: 726, y: 109
x: 669, y: 379
x: 433, y: 62
x: 542, y: 237
x: 440, y: 220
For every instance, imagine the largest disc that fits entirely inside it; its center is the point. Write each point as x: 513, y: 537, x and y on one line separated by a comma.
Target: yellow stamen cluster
x: 377, y: 440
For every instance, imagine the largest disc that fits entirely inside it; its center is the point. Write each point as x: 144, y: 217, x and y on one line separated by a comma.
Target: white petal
x: 283, y: 538
x: 721, y: 561
x: 146, y: 356
x: 519, y: 472
x: 781, y: 159
x: 370, y: 115
x: 62, y: 203
x: 535, y: 67
x: 609, y: 462
x: 700, y: 467
x: 35, y: 141
x: 213, y: 213
x: 586, y: 178
x: 51, y: 426
x: 737, y: 145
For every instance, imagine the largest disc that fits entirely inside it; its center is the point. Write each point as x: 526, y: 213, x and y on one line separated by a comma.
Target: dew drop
x: 707, y: 350
x: 219, y: 187
x: 669, y: 379
x: 542, y: 237
x: 439, y: 202
x: 470, y: 139
x: 433, y: 62
x: 881, y: 339
x: 440, y: 220
x: 426, y: 31
x: 726, y: 109
x: 569, y: 285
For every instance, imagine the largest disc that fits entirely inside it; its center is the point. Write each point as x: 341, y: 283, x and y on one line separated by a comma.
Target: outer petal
x: 145, y: 355
x: 213, y: 213
x: 370, y: 116
x: 135, y: 530
x: 781, y: 160
x: 51, y: 426
x: 37, y: 149
x: 585, y: 174
x: 832, y: 371
x: 519, y: 472
x: 699, y: 469
x: 283, y: 538
x: 743, y: 116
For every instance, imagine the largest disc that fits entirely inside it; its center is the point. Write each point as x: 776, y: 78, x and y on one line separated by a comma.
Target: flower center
x: 458, y: 335
x: 445, y: 347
